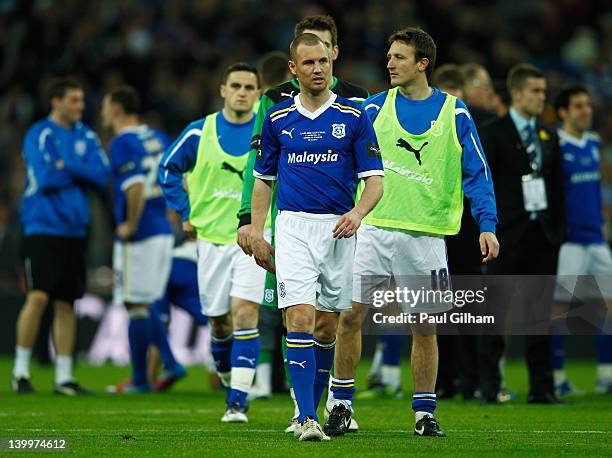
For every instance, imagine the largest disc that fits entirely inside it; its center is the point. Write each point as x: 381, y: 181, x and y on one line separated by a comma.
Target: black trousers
x: 533, y: 255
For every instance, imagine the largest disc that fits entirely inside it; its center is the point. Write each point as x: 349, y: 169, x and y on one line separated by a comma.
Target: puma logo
x: 417, y: 152
x: 228, y: 167
x: 301, y: 364
x: 251, y: 361
x: 287, y: 94
x: 288, y: 132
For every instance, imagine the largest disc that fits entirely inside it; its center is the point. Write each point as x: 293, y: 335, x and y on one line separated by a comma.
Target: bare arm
x: 260, y: 203
x: 135, y: 205
x: 349, y: 222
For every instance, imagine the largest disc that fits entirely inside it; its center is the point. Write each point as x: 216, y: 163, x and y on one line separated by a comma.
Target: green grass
x: 186, y: 421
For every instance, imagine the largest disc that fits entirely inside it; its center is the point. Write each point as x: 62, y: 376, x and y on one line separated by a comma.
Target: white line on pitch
x: 361, y: 432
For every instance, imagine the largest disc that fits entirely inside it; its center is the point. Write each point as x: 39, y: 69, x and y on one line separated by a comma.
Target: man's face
x: 401, y: 64
x: 326, y: 38
x: 312, y: 67
x: 531, y: 97
x: 579, y: 113
x: 70, y: 107
x: 240, y: 91
x: 107, y: 112
x: 479, y: 90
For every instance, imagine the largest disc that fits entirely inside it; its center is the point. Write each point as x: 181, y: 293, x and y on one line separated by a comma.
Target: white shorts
x: 224, y: 271
x: 308, y: 257
x: 142, y: 269
x: 413, y: 259
x: 576, y: 263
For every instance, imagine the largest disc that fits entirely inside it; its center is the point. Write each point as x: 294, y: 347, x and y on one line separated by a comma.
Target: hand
x: 489, y: 246
x: 262, y: 251
x: 347, y: 225
x: 59, y: 164
x: 125, y: 231
x: 244, y: 239
x: 189, y: 230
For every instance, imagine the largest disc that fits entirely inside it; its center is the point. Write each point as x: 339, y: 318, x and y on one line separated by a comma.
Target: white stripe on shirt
x: 189, y: 133
x: 484, y: 163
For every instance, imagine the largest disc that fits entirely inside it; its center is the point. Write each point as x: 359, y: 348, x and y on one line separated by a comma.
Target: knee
x: 350, y: 322
x: 221, y: 326
x: 326, y: 326
x: 300, y: 321
x: 245, y: 315
x: 37, y: 300
x: 63, y: 308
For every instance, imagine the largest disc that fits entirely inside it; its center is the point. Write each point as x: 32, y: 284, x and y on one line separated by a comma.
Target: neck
x: 122, y: 122
x: 60, y: 120
x: 522, y: 112
x: 237, y: 117
x: 573, y: 131
x: 417, y: 89
x: 313, y: 101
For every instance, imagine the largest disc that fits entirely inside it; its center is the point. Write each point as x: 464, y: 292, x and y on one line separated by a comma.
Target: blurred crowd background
x: 174, y: 53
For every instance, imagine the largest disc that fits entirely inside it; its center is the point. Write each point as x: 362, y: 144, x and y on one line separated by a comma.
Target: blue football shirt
x: 582, y: 187
x: 317, y: 157
x: 135, y: 156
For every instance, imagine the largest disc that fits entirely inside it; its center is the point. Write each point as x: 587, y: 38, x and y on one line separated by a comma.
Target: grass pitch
x: 186, y: 421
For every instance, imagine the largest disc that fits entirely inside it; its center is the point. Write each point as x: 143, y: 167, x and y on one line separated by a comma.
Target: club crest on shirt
x: 80, y: 147
x: 269, y: 295
x: 281, y: 290
x: 339, y: 130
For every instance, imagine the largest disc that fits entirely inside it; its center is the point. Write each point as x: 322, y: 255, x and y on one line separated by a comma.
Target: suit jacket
x: 508, y: 162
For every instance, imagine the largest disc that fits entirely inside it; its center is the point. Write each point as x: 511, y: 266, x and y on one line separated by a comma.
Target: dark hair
x: 240, y: 67
x: 519, y: 74
x: 321, y: 23
x: 273, y: 68
x: 424, y: 46
x: 308, y: 39
x: 449, y: 75
x: 563, y: 98
x: 57, y: 87
x: 127, y: 97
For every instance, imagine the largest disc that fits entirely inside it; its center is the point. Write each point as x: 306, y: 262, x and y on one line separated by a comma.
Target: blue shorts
x: 182, y: 291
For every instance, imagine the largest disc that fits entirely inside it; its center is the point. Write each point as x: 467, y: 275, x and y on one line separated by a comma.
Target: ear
x: 423, y: 64
x: 335, y: 52
x: 222, y: 91
x: 292, y: 68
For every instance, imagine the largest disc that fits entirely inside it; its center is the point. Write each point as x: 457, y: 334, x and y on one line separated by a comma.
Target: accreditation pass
x: 534, y: 193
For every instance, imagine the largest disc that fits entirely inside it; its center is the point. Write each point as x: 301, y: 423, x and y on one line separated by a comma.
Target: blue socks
x: 244, y: 355
x: 159, y: 320
x: 603, y: 347
x: 557, y: 352
x: 392, y: 349
x: 139, y: 335
x: 324, y: 359
x: 424, y: 403
x: 343, y: 390
x: 221, y: 349
x: 301, y: 365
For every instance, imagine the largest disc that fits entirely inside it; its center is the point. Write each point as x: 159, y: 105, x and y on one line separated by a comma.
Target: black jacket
x: 509, y: 161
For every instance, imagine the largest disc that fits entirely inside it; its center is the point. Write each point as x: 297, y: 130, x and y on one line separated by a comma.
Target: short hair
x: 424, y: 46
x: 58, y: 87
x: 308, y: 39
x: 127, y: 97
x: 321, y: 23
x: 449, y: 75
x: 519, y: 74
x: 272, y: 68
x: 240, y: 67
x: 563, y: 98
x: 470, y: 70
